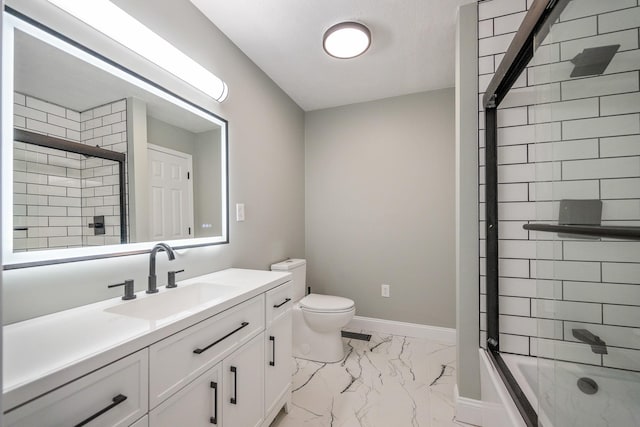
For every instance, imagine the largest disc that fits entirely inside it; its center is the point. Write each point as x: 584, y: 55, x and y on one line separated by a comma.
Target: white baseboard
x: 467, y: 410
x: 435, y: 333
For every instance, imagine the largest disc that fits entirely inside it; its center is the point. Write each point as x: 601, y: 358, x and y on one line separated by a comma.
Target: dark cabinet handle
x: 273, y: 351
x: 214, y: 419
x: 116, y: 401
x: 234, y: 399
x: 282, y: 303
x: 202, y: 350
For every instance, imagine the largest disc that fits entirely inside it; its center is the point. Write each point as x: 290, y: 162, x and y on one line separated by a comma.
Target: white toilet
x: 317, y: 319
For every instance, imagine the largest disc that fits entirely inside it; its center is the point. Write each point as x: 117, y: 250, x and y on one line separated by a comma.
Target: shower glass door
x: 587, y: 193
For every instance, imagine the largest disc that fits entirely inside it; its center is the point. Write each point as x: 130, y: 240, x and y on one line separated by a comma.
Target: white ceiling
x: 412, y: 49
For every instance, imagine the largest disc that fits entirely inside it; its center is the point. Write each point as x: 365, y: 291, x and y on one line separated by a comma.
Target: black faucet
x: 152, y: 264
x: 597, y: 345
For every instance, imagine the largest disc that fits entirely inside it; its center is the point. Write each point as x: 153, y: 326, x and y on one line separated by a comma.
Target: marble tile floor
x: 390, y: 381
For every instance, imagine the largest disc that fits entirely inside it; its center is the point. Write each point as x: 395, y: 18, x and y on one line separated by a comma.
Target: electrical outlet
x: 386, y: 292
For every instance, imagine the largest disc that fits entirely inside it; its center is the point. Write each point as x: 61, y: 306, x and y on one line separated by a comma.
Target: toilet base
x: 324, y: 347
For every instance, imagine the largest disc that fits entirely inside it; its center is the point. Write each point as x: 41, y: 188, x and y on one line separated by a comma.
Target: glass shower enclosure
x: 573, y: 70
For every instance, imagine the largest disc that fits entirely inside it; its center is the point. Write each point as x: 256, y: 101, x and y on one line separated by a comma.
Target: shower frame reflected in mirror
x: 87, y: 151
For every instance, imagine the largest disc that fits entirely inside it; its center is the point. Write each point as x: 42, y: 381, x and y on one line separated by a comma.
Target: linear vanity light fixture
x: 115, y: 23
x: 346, y: 40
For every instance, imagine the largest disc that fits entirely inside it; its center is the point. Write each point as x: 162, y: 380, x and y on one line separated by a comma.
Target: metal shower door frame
x: 537, y: 22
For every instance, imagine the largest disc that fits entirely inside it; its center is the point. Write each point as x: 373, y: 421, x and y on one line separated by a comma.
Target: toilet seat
x: 326, y: 304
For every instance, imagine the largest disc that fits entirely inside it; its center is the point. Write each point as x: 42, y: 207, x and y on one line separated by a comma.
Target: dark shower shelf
x: 628, y: 233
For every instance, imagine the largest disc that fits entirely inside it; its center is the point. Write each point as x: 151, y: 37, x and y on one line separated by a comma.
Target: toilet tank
x: 298, y: 269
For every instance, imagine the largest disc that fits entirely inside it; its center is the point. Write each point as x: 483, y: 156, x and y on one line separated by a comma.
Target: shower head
x: 593, y: 60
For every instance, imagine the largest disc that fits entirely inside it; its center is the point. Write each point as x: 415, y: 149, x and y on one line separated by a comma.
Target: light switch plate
x: 239, y: 211
x: 385, y: 290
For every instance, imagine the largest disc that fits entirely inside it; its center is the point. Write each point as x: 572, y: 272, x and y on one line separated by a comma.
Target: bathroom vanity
x: 214, y: 351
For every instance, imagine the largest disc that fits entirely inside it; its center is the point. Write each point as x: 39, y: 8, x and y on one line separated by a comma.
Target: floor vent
x: 356, y: 336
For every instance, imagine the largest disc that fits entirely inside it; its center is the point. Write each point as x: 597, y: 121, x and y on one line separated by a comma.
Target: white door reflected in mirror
x: 170, y: 194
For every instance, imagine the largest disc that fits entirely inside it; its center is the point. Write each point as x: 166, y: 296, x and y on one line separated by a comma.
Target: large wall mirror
x: 98, y: 162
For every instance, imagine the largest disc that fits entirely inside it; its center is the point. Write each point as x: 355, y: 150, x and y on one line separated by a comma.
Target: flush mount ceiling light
x: 116, y: 24
x: 346, y: 40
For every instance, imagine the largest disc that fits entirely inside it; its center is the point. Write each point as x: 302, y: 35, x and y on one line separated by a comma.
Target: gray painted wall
x: 207, y: 184
x: 169, y: 136
x: 138, y: 178
x: 380, y: 206
x: 467, y: 229
x: 266, y: 166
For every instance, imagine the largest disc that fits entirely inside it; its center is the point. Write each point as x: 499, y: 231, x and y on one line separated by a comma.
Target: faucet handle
x: 171, y: 280
x: 128, y: 289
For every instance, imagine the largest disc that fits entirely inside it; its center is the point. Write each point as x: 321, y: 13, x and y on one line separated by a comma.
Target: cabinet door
x: 196, y: 405
x: 243, y: 385
x: 278, y: 362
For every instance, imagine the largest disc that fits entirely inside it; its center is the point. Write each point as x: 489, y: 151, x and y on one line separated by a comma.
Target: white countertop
x: 46, y: 352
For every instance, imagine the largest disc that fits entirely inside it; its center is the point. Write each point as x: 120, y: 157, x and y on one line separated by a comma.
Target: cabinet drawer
x: 178, y: 359
x: 115, y: 395
x: 279, y: 301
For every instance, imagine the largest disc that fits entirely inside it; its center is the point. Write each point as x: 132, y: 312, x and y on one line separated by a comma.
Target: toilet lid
x: 326, y: 303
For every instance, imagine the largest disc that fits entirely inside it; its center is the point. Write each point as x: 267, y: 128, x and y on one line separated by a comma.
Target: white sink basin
x: 172, y: 301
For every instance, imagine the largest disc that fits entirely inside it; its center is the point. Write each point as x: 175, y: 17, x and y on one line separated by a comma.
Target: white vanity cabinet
x: 115, y: 395
x: 278, y: 347
x: 227, y: 364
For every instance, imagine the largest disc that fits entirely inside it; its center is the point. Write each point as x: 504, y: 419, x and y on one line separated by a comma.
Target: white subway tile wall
x: 104, y: 126
x: 56, y: 193
x: 565, y: 138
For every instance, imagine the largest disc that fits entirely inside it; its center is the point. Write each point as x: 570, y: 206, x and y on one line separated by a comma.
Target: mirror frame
x: 14, y: 20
